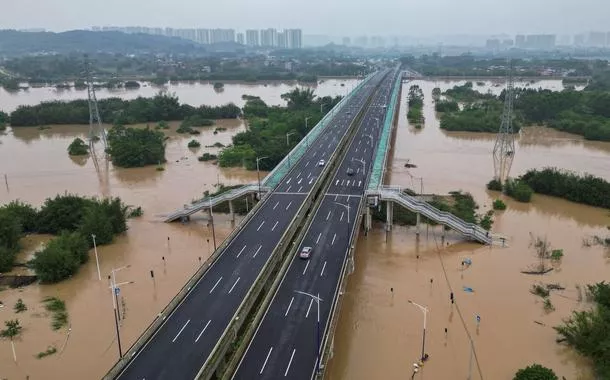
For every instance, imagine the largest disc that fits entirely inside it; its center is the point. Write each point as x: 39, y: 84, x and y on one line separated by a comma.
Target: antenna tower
x: 504, y: 148
x: 96, y: 130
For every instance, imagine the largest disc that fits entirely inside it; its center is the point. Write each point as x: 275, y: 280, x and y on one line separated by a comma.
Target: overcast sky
x: 331, y: 17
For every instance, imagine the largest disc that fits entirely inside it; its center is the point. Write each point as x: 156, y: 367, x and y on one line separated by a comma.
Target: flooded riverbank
x: 379, y: 334
x: 193, y: 93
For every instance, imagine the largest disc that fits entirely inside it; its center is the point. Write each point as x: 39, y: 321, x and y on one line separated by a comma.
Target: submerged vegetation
x: 416, y: 105
x: 57, y: 307
x: 134, y: 147
x: 589, y: 331
x: 78, y: 148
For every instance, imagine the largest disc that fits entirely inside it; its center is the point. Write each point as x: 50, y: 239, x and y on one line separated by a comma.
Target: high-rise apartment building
x: 252, y: 37
x: 269, y: 37
x: 294, y: 38
x: 240, y: 38
x: 282, y: 40
x: 222, y: 35
x: 597, y: 39
x: 520, y: 41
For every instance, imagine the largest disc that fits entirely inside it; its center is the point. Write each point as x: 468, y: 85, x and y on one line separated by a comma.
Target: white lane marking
x: 336, y: 183
x: 256, y: 253
x: 336, y: 196
x: 300, y: 180
x: 310, y: 181
x: 328, y: 216
x: 341, y: 218
x: 259, y: 227
x: 202, y: 331
x: 306, y: 265
x: 342, y: 182
x: 309, y: 308
x: 324, y: 267
x: 239, y: 254
x: 288, y: 189
x: 348, y: 181
x: 290, y: 362
x: 288, y: 308
x: 289, y: 179
x: 180, y: 332
x: 267, y: 358
x: 359, y: 183
x: 357, y: 170
x: 300, y: 188
x: 333, y: 242
x: 309, y: 175
x: 356, y: 150
x: 288, y: 205
x: 307, y: 163
x: 236, y: 281
x: 364, y: 150
x: 319, y: 236
x: 215, y: 285
x: 278, y: 202
x: 275, y: 225
x: 298, y: 175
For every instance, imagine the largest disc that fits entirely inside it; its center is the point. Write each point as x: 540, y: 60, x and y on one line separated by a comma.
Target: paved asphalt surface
x: 285, y: 343
x: 183, y: 343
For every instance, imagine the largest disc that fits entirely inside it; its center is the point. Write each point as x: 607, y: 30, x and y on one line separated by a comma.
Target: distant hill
x: 14, y: 43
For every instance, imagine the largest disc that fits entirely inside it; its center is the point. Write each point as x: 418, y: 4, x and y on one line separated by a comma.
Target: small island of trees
x: 416, y: 104
x: 72, y: 219
x: 133, y: 147
x: 78, y: 148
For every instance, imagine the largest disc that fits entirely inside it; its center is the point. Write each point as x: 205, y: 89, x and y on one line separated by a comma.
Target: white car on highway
x: 321, y: 163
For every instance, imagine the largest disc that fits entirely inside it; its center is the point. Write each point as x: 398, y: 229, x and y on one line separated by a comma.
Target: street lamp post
x: 423, y: 344
x: 288, y: 144
x: 322, y: 106
x: 258, y: 174
x: 317, y: 299
x: 212, y: 220
x: 97, y: 261
x: 115, y: 288
x: 307, y: 132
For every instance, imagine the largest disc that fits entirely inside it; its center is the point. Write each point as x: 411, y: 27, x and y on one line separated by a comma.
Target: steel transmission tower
x: 96, y: 130
x: 504, y: 148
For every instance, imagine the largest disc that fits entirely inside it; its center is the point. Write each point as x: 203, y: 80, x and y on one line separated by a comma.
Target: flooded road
x: 193, y: 93
x: 380, y: 334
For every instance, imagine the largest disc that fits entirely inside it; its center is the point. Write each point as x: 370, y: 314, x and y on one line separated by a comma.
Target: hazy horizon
x: 317, y: 17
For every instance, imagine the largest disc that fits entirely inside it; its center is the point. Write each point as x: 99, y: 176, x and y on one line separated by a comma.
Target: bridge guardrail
x: 177, y: 299
x: 280, y: 170
x: 231, y: 331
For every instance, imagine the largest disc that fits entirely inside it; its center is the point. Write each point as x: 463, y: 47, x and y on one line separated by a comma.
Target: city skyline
x: 339, y: 17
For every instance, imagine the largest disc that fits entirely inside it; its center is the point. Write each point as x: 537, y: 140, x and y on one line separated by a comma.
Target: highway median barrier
x: 230, y: 347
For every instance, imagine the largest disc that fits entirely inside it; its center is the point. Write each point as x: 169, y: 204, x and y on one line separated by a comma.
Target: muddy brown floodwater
x: 380, y: 333
x: 38, y: 166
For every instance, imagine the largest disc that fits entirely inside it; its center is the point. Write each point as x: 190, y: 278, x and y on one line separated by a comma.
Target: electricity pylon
x: 504, y: 148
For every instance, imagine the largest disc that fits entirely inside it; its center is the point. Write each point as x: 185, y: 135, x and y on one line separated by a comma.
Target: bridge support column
x: 418, y: 221
x: 389, y: 215
x: 231, y: 211
x: 367, y: 220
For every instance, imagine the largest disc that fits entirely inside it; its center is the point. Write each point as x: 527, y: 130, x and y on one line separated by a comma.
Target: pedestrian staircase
x: 212, y: 201
x: 470, y: 230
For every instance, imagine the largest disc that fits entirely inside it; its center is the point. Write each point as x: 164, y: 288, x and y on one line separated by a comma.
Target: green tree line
x: 268, y: 126
x: 4, y: 120
x: 117, y: 111
x: 73, y: 219
x: 586, y: 189
x: 416, y: 105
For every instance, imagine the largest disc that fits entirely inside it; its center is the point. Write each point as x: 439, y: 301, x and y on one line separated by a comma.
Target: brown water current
x: 380, y: 333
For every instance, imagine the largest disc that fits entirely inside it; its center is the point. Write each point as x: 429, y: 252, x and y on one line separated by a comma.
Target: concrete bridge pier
x: 367, y: 220
x: 417, y: 223
x: 231, y: 211
x: 389, y: 215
